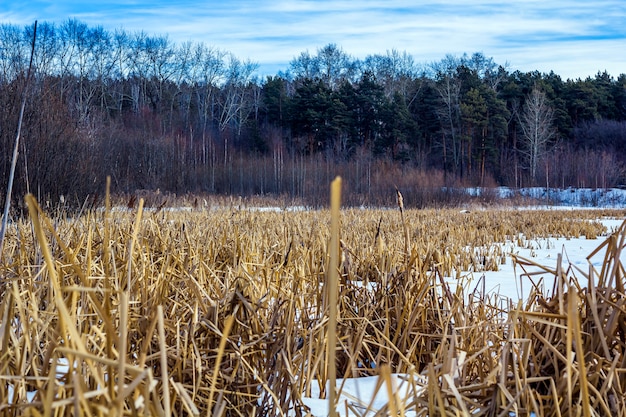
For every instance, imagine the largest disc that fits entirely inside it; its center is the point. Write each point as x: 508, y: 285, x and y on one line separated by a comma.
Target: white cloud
x: 564, y: 36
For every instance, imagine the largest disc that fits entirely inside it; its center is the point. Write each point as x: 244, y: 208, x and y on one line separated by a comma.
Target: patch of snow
x: 366, y: 393
x: 276, y: 208
x: 30, y: 395
x: 574, y: 197
x: 511, y: 282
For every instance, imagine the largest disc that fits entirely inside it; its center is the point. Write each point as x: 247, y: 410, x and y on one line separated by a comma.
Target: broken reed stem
x: 332, y: 285
x: 163, y: 357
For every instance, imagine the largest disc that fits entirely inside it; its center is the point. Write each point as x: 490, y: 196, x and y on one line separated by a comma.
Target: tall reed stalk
x: 7, y: 201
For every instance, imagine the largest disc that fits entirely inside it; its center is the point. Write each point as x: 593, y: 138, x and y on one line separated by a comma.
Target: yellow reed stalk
x: 573, y: 325
x: 395, y: 407
x: 122, y: 349
x: 228, y: 324
x: 133, y: 239
x: 163, y: 356
x: 332, y: 288
x: 592, y: 300
x: 436, y: 403
x: 185, y: 398
x: 80, y: 401
x: 5, y: 328
x: 49, y: 397
x: 407, y: 241
x: 33, y: 209
x: 65, y: 316
x: 106, y: 262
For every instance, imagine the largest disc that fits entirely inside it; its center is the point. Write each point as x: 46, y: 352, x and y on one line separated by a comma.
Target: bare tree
x: 536, y: 123
x: 488, y: 71
x: 207, y: 74
x: 47, y: 48
x: 396, y: 71
x: 234, y: 106
x: 13, y: 52
x: 335, y: 65
x: 449, y: 113
x: 103, y: 63
x: 120, y: 51
x: 331, y: 64
x: 304, y: 66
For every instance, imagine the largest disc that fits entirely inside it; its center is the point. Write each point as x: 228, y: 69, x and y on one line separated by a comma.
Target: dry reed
x: 223, y: 312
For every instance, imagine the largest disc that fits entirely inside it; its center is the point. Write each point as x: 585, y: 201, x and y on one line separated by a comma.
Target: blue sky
x: 573, y: 38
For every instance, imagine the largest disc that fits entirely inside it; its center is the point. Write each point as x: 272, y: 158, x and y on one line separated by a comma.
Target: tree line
x: 191, y: 118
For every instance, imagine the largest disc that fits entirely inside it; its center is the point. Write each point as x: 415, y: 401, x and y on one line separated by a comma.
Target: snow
x: 364, y: 393
x: 511, y: 282
x: 508, y: 283
x: 556, y: 197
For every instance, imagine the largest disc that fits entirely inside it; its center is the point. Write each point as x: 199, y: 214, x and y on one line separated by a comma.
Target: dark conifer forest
x: 191, y: 118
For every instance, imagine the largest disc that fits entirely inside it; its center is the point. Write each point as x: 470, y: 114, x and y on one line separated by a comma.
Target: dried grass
x: 224, y: 312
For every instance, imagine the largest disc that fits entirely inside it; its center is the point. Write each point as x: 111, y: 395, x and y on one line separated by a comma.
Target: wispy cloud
x: 573, y: 38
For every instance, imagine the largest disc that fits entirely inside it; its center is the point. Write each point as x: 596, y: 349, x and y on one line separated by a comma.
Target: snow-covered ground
x: 360, y: 393
x: 575, y: 197
x: 509, y: 280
